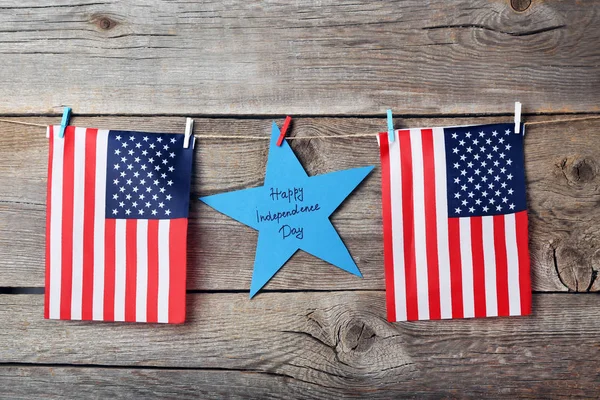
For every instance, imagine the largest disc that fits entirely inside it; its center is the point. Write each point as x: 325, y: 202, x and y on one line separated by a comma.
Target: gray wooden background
x: 336, y: 65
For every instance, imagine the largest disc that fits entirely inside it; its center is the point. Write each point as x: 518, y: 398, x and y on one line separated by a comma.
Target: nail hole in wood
x: 520, y: 5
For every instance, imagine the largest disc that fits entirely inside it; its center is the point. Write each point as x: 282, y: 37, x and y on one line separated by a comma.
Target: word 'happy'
x: 291, y: 194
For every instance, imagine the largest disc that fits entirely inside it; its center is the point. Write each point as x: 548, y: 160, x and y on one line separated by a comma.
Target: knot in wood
x: 104, y: 22
x: 359, y: 337
x: 577, y: 261
x: 583, y: 170
x: 578, y: 171
x: 520, y: 5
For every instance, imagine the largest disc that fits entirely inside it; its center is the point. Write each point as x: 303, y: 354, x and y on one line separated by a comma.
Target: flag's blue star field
x: 485, y: 171
x: 147, y: 175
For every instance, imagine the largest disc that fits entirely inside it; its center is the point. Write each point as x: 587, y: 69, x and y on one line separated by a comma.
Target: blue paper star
x: 291, y: 211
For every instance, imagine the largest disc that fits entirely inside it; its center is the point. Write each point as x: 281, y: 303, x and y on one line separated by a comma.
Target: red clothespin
x: 284, y: 129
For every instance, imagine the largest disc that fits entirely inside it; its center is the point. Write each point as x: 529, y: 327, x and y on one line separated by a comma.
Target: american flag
x: 116, y: 226
x: 455, y: 223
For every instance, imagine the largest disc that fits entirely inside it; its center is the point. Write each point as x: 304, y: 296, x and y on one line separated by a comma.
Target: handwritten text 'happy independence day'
x: 289, y: 195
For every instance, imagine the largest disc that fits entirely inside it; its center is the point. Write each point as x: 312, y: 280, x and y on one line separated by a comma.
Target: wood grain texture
x: 562, y: 170
x: 315, y: 332
x: 58, y: 382
x: 319, y: 345
x: 322, y: 57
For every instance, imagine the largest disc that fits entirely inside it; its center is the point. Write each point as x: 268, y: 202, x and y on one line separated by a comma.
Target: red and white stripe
x: 99, y: 268
x: 438, y: 267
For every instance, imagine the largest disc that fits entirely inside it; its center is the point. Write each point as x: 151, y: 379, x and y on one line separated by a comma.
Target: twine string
x: 553, y: 121
x: 12, y: 121
x: 349, y: 136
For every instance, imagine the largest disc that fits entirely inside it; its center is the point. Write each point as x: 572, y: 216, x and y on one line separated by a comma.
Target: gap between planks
x: 129, y: 367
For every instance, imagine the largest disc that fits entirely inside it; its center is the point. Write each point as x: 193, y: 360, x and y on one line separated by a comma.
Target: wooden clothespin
x: 390, y: 126
x: 284, y: 128
x: 64, y: 122
x: 517, y: 117
x: 189, y: 129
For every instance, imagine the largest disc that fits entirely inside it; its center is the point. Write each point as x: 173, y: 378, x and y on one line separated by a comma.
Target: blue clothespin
x: 390, y: 124
x: 64, y: 122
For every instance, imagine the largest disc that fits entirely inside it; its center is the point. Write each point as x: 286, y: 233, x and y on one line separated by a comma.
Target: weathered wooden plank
x: 55, y: 382
x: 326, y: 57
x: 58, y: 382
x: 337, y: 340
x: 563, y: 171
